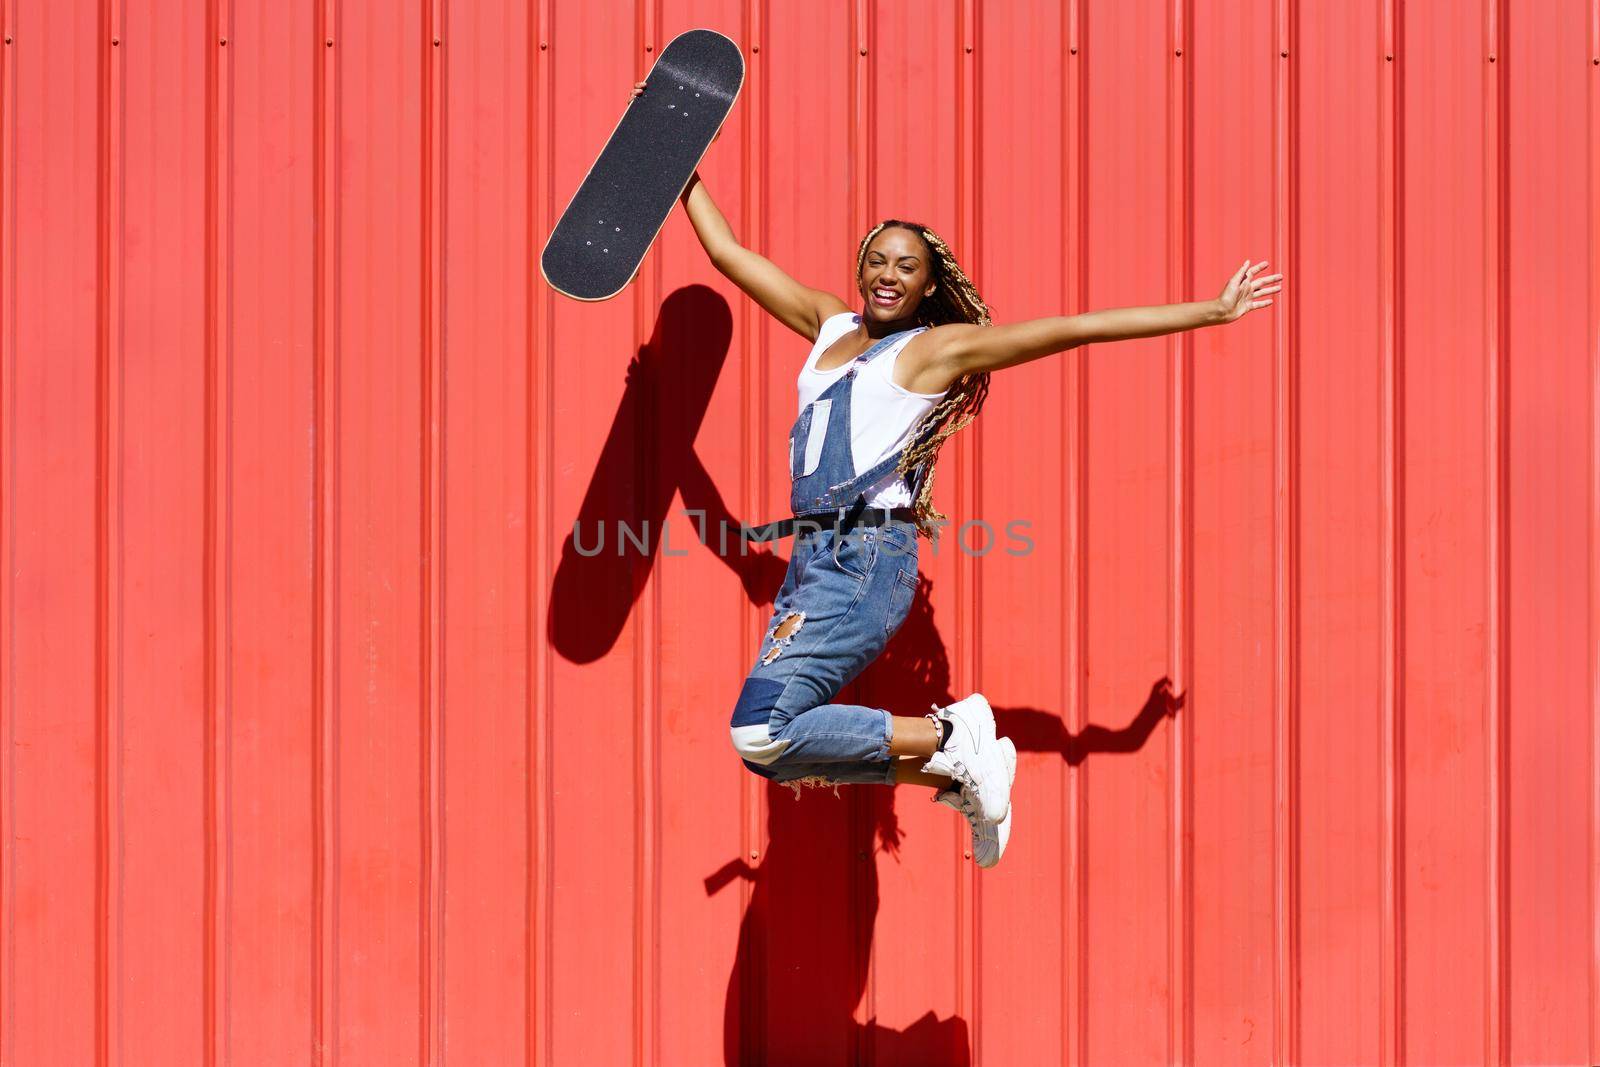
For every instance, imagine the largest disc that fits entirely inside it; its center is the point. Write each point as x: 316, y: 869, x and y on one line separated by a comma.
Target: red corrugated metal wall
x: 322, y: 744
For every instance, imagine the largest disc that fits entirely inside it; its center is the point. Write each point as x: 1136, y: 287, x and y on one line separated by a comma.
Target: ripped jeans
x: 842, y: 599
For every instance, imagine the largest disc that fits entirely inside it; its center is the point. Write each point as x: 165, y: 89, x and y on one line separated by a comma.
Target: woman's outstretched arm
x: 967, y: 349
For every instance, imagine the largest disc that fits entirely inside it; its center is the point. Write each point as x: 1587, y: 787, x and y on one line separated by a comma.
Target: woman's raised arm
x: 964, y: 349
x: 797, y: 306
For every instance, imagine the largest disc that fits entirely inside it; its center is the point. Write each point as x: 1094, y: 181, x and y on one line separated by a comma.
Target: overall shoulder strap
x: 877, y: 349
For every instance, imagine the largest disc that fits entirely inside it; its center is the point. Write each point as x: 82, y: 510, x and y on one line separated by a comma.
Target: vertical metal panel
x: 485, y: 300
x: 53, y: 771
x: 1127, y: 54
x: 323, y: 743
x: 271, y: 309
x: 1547, y: 390
x: 1443, y: 543
x: 1012, y: 111
x: 157, y: 367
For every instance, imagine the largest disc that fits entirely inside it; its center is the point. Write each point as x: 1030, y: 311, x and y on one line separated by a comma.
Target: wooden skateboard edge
x: 744, y: 70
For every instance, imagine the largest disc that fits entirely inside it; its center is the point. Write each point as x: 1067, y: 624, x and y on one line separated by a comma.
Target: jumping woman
x: 881, y: 390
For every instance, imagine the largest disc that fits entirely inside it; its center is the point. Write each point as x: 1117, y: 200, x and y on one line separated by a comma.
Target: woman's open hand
x: 1245, y: 291
x: 638, y: 87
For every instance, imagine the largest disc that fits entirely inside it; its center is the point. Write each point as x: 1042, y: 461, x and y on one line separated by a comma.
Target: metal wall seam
x: 1594, y: 533
x: 1180, y: 475
x: 8, y: 529
x: 1286, y: 561
x: 218, y: 538
x: 431, y: 1010
x: 1074, y: 498
x: 647, y: 667
x: 540, y: 544
x: 753, y: 484
x: 1593, y: 644
x: 860, y: 138
x: 965, y: 671
x: 325, y: 524
x: 1391, y: 815
x: 1074, y: 1015
x: 1496, y: 160
x: 108, y: 548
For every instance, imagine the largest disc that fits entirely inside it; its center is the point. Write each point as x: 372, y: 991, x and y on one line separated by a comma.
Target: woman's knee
x: 754, y: 722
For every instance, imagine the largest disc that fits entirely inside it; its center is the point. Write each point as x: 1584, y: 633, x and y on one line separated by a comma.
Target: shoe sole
x: 1008, y: 751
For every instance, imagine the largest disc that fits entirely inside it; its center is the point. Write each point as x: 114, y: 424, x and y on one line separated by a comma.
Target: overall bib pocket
x: 816, y: 433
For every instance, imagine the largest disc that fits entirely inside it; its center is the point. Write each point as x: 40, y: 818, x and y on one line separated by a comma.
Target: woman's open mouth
x: 885, y: 298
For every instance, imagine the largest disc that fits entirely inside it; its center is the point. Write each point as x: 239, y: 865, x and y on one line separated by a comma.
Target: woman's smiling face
x: 895, y: 275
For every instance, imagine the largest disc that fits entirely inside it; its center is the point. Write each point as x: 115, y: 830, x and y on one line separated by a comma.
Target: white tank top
x: 882, y: 414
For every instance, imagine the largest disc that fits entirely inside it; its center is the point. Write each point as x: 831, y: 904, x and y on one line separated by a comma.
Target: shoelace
x: 970, y: 810
x: 964, y: 803
x: 956, y: 765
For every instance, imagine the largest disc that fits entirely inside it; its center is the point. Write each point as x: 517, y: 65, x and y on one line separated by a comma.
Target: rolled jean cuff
x: 888, y: 735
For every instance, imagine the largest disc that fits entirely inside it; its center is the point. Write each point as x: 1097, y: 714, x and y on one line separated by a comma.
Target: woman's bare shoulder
x: 925, y: 365
x: 828, y: 306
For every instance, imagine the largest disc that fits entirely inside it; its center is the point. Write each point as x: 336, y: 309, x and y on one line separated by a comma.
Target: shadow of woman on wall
x: 805, y: 940
x: 647, y: 456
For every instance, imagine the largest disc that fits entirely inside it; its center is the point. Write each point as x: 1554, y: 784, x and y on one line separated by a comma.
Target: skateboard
x: 613, y: 218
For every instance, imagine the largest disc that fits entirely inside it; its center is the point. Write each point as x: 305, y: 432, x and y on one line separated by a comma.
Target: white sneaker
x: 972, y: 757
x: 988, y: 838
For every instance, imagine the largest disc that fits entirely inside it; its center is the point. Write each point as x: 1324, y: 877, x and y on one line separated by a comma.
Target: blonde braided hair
x: 955, y: 299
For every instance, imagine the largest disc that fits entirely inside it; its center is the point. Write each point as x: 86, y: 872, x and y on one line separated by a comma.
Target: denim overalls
x: 842, y: 598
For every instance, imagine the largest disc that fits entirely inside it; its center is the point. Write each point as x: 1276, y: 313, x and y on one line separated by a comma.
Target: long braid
x: 955, y: 299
